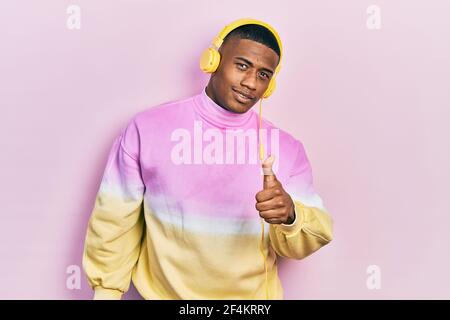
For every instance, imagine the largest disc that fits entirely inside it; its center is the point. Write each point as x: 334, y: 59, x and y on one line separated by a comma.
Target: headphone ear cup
x: 209, y: 61
x: 270, y: 89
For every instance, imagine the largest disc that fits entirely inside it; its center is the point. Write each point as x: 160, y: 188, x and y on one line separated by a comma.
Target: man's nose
x: 249, y: 80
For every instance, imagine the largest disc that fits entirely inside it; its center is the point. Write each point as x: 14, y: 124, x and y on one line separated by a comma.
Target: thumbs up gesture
x: 273, y: 203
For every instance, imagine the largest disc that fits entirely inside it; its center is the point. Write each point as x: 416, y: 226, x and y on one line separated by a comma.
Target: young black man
x: 185, y: 209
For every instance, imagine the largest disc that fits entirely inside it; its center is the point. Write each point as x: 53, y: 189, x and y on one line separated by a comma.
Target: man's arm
x: 113, y: 238
x: 311, y: 230
x: 310, y: 226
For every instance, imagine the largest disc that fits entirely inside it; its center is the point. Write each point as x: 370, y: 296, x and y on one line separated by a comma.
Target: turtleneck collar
x: 218, y: 116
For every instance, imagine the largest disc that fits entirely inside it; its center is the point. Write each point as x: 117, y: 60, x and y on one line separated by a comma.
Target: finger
x: 274, y: 203
x: 274, y: 221
x: 269, y: 176
x: 268, y: 194
x: 271, y: 214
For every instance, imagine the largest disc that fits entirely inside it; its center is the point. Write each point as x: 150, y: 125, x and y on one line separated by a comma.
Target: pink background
x: 370, y: 106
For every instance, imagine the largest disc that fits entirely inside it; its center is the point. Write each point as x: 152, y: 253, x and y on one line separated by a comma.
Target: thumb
x: 269, y: 176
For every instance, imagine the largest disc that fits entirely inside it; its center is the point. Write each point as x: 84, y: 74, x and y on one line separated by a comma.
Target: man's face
x: 243, y: 75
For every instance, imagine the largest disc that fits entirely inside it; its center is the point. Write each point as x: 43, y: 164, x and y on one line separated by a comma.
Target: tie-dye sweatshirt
x: 175, y: 211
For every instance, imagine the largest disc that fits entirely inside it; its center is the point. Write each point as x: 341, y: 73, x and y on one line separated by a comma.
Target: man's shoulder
x: 164, y: 110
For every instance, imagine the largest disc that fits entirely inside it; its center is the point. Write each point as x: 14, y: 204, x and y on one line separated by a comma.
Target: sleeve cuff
x: 101, y: 293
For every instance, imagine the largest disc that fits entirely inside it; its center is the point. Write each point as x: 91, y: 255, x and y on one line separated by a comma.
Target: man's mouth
x: 242, y: 97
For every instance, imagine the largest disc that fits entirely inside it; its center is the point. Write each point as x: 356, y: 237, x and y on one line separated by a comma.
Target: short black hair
x: 256, y: 33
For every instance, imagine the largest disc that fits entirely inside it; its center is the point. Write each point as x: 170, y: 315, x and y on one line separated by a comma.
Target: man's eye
x: 242, y: 66
x: 264, y: 75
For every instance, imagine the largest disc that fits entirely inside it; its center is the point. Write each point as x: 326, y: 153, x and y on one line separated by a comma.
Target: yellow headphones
x: 210, y: 59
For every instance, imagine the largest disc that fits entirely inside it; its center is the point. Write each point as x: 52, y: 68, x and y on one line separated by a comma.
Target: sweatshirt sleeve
x: 313, y: 226
x: 115, y: 227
